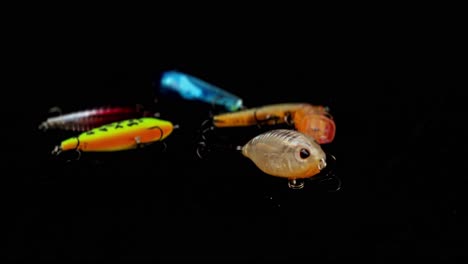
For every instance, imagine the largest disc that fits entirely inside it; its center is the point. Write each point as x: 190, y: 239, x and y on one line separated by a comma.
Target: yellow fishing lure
x: 117, y: 136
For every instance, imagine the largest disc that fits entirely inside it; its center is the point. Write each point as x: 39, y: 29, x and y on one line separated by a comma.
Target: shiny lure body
x: 313, y: 120
x: 88, y: 119
x: 286, y: 153
x: 117, y: 136
x: 192, y: 88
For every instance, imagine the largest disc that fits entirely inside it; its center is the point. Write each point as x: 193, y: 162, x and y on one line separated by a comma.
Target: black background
x: 401, y: 194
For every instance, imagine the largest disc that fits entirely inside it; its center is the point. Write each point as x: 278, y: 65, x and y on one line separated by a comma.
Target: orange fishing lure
x: 313, y: 120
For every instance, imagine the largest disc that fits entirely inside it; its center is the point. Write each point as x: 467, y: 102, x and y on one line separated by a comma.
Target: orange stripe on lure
x: 117, y: 136
x: 313, y: 120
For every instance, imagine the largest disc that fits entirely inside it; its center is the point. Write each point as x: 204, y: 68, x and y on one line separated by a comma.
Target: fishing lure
x: 192, y: 88
x: 117, y: 136
x: 313, y: 120
x: 287, y: 154
x: 88, y: 119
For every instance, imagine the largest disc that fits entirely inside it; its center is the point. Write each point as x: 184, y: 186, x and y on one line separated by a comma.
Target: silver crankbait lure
x: 287, y: 154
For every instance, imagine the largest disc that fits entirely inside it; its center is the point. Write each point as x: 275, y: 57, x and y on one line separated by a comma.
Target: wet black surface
x: 393, y: 146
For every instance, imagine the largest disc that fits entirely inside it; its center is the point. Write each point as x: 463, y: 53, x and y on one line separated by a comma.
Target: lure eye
x: 304, y: 153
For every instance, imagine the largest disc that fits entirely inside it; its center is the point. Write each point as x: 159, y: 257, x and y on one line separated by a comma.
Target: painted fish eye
x: 304, y: 153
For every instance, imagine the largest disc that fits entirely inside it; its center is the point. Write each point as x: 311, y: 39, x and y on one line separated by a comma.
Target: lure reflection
x: 92, y: 118
x: 313, y: 120
x: 287, y: 154
x: 117, y: 136
x: 192, y: 88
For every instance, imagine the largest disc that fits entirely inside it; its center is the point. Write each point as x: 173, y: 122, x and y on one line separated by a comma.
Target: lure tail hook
x: 203, y: 149
x: 204, y: 145
x: 330, y: 174
x: 58, y: 150
x: 165, y: 147
x: 52, y: 111
x: 78, y: 157
x: 205, y: 128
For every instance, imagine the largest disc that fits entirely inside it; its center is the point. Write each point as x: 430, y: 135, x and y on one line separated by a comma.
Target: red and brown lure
x: 88, y: 119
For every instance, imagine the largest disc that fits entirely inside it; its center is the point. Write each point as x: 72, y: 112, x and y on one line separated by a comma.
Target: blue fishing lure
x: 192, y: 88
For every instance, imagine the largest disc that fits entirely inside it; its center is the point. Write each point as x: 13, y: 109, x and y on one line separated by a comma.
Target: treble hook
x: 79, y: 154
x: 201, y: 146
x: 58, y: 150
x: 205, y: 128
x: 204, y: 147
x: 330, y: 175
x: 165, y: 146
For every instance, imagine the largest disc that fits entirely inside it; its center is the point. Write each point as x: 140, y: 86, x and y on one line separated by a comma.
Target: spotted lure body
x: 92, y: 118
x: 286, y: 153
x: 313, y: 120
x: 192, y: 88
x: 117, y: 136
